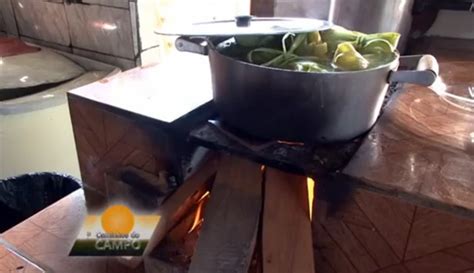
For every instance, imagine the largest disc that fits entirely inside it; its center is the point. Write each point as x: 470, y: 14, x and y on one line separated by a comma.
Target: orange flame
x: 206, y: 194
x: 198, y: 216
x: 310, y: 186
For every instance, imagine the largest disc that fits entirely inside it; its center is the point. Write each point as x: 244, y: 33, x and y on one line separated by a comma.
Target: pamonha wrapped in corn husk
x: 336, y: 49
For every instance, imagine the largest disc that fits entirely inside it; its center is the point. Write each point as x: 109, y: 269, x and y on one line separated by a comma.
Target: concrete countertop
x: 422, y: 148
x: 164, y: 92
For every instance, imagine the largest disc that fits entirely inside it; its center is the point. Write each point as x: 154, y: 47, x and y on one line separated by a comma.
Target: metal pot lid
x: 248, y: 25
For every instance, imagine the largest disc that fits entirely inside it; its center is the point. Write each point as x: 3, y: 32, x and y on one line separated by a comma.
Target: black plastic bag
x: 22, y: 196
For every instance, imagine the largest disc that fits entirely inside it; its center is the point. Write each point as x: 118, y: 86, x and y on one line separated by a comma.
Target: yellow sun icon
x: 118, y: 219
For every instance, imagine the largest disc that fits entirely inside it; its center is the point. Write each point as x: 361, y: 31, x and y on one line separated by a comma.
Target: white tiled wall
x: 110, y: 3
x: 42, y: 20
x: 172, y: 13
x: 113, y: 31
x: 123, y: 63
x: 9, y: 24
x: 2, y: 23
x: 147, y: 14
x: 101, y: 29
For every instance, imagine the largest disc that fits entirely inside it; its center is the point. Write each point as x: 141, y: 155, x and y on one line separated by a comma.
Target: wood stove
x: 220, y: 212
x: 229, y: 207
x: 245, y: 205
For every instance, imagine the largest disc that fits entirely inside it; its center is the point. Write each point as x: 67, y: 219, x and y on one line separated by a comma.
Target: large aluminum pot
x: 304, y: 106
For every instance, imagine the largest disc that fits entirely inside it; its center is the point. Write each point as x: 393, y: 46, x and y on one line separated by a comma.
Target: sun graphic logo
x: 118, y: 219
x: 117, y: 230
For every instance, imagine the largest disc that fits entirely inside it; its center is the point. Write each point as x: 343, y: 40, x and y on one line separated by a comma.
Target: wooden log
x: 176, y: 206
x: 155, y: 265
x: 179, y: 244
x: 256, y: 265
x: 178, y: 232
x: 231, y: 219
x: 286, y: 231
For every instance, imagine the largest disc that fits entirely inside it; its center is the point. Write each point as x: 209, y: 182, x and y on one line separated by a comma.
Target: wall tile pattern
x: 102, y: 29
x: 122, y: 63
x: 111, y: 3
x: 42, y: 20
x: 9, y: 23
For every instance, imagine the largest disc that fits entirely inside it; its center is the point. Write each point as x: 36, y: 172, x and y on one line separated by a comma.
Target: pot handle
x: 420, y: 69
x: 193, y: 45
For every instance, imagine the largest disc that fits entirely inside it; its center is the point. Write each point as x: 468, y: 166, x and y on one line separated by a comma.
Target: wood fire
x: 246, y: 212
x: 198, y: 216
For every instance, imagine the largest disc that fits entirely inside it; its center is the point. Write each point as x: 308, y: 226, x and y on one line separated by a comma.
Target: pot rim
x: 391, y: 65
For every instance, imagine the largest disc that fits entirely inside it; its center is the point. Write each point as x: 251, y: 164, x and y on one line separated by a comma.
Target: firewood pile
x: 234, y: 215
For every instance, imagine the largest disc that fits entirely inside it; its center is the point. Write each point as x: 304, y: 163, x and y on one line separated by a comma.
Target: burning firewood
x: 218, y: 225
x: 231, y: 219
x: 286, y: 225
x: 179, y: 203
x: 179, y: 244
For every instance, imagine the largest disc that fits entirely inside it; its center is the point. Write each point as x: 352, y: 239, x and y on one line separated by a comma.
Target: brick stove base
x: 376, y: 233
x: 361, y: 230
